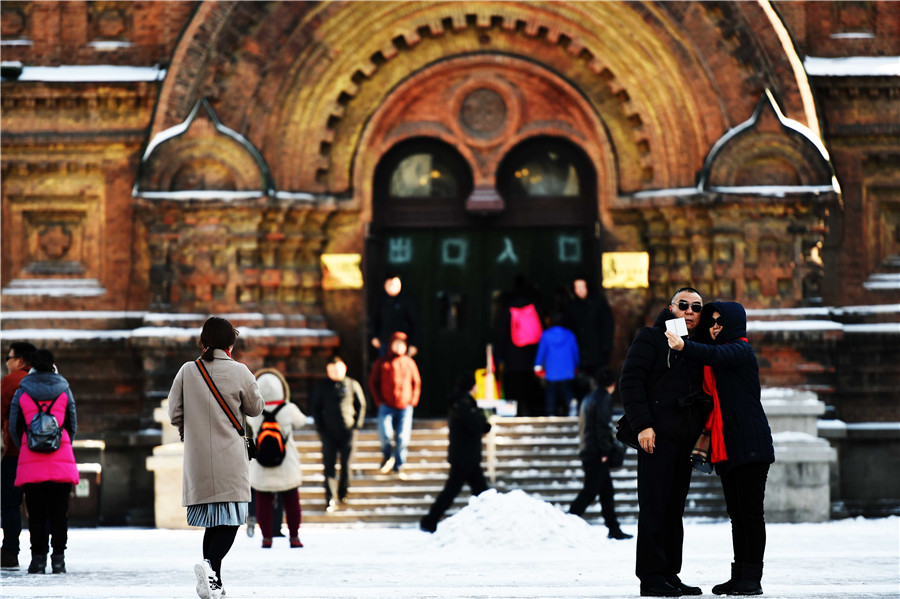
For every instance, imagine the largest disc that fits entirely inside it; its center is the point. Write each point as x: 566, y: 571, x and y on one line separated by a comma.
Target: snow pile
x: 514, y: 520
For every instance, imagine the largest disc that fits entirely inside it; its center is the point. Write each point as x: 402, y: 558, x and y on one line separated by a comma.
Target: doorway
x: 457, y: 265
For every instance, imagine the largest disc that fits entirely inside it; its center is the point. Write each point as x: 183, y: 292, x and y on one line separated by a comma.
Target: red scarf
x: 714, y: 422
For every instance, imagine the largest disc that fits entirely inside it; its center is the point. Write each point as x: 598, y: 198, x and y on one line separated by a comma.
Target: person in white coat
x: 285, y: 478
x: 216, y: 480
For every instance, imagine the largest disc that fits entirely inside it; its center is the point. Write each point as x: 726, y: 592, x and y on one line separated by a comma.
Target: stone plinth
x: 799, y: 483
x: 166, y: 465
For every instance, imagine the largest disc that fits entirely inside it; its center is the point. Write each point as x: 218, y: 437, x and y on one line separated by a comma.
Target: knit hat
x: 271, y: 387
x: 399, y: 335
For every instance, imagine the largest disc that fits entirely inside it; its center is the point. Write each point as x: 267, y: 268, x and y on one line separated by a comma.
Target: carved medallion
x: 483, y: 113
x: 55, y: 241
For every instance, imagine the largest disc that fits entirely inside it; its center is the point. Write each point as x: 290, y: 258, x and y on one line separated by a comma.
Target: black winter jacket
x: 392, y: 314
x: 594, y: 430
x: 745, y: 427
x: 656, y: 382
x: 338, y: 407
x: 592, y: 322
x: 468, y: 424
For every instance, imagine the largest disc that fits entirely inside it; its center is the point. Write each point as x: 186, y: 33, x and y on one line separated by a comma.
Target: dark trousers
x: 745, y: 491
x: 290, y: 501
x: 557, y: 395
x: 217, y: 542
x: 597, y: 481
x: 664, y: 478
x: 10, y: 504
x: 460, y: 474
x: 332, y: 447
x: 48, y: 502
x: 523, y: 387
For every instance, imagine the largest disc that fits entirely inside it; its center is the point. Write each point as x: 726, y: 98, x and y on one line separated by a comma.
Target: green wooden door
x: 457, y: 277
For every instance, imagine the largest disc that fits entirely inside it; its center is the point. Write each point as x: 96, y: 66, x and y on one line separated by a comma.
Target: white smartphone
x: 677, y: 326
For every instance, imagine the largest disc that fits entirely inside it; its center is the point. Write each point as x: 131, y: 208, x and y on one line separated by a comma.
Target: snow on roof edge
x: 853, y: 66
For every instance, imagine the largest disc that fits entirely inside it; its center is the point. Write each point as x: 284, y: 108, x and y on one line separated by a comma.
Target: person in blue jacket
x: 740, y: 438
x: 557, y: 359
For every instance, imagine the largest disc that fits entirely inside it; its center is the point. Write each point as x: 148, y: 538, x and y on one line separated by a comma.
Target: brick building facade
x: 162, y: 161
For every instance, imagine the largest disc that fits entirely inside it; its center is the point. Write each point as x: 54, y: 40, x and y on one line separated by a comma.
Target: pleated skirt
x: 223, y: 513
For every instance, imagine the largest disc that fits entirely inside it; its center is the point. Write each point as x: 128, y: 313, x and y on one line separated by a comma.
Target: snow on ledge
x: 55, y: 287
x: 153, y: 332
x: 853, y: 66
x: 91, y: 74
x: 71, y: 315
x: 758, y: 326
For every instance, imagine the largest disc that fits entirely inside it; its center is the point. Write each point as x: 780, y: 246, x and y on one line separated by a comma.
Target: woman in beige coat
x: 216, y: 482
x: 284, y: 479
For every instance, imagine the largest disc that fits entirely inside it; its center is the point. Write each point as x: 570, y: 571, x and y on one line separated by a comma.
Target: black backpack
x: 270, y: 442
x: 43, y: 434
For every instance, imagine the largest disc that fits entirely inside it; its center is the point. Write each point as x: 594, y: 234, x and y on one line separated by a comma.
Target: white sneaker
x: 207, y: 584
x: 387, y: 465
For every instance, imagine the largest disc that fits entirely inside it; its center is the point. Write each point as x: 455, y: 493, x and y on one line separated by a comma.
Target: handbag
x: 248, y: 442
x: 701, y: 455
x: 616, y: 456
x: 625, y: 434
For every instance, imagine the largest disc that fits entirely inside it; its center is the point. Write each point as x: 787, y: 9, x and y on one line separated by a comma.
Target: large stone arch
x: 300, y: 80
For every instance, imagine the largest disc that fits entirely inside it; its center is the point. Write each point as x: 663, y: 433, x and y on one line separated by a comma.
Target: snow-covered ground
x: 501, y: 545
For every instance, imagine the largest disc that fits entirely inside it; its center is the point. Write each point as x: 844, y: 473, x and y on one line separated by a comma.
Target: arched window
x: 424, y: 168
x: 543, y: 167
x: 420, y: 182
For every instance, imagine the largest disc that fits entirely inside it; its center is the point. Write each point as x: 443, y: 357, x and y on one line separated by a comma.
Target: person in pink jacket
x: 45, y: 477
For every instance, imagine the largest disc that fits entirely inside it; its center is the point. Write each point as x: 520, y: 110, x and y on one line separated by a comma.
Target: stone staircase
x: 536, y: 455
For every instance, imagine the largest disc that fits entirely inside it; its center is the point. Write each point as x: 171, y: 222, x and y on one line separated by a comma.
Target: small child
x: 556, y: 360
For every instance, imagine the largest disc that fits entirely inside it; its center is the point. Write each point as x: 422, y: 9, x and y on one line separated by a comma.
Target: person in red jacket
x: 18, y: 362
x: 395, y: 385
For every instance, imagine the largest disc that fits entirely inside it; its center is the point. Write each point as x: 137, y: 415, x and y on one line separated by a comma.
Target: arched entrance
x: 479, y: 169
x: 459, y: 259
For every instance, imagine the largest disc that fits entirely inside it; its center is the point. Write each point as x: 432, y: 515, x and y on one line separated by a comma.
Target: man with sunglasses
x: 18, y: 363
x: 656, y: 386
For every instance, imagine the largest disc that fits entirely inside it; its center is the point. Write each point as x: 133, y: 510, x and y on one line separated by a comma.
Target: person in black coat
x: 658, y: 388
x: 339, y: 409
x: 519, y: 380
x: 468, y: 424
x: 591, y: 319
x: 741, y: 440
x: 394, y: 311
x: 596, y: 445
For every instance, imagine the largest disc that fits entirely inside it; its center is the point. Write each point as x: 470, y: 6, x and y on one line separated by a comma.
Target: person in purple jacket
x: 556, y: 360
x: 46, y: 477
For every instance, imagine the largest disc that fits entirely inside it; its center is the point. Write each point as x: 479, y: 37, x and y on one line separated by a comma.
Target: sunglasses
x: 717, y: 321
x: 683, y: 306
x: 8, y: 358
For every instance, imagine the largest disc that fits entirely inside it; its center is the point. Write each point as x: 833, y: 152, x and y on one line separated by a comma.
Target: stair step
x: 536, y: 455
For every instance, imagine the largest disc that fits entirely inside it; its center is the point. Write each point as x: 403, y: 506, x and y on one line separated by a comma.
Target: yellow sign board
x: 626, y: 270
x: 341, y: 271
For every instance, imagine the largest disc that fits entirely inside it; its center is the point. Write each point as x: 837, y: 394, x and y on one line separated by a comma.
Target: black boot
x: 618, y: 534
x: 749, y: 584
x: 38, y: 563
x: 726, y: 587
x: 8, y: 559
x: 58, y: 563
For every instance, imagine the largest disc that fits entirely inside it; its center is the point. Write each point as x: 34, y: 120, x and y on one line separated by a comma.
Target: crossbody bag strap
x: 215, y: 391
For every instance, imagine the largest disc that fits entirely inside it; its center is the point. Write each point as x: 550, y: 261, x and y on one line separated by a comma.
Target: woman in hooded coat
x: 216, y: 480
x: 283, y: 479
x: 741, y: 440
x: 46, y: 477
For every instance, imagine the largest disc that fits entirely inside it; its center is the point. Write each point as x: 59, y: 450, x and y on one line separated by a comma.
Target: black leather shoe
x: 618, y: 534
x: 659, y: 588
x: 685, y: 589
